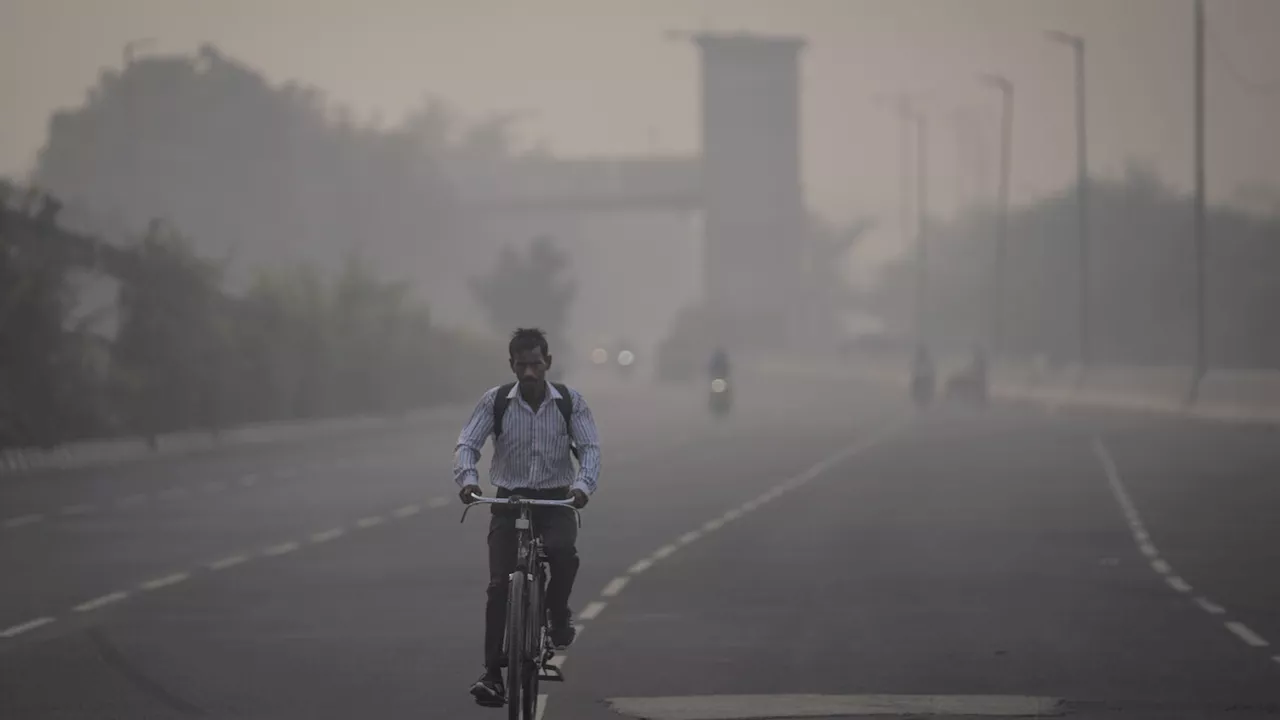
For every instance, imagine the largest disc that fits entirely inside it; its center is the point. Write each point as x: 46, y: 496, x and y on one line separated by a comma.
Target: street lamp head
x: 999, y: 82
x: 1065, y: 38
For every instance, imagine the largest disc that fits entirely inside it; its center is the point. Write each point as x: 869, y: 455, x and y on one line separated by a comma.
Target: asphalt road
x: 825, y: 551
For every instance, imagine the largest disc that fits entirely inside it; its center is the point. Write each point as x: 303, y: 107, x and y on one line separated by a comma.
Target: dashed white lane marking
x: 1243, y: 632
x: 614, y: 587
x: 593, y: 608
x: 228, y: 562
x: 768, y: 707
x: 281, y: 549
x: 164, y: 582
x: 17, y: 522
x: 79, y: 509
x: 1210, y: 607
x: 27, y: 626
x: 102, y: 601
x: 132, y: 500
x: 664, y: 551
x: 368, y: 522
x: 438, y: 502
x: 327, y: 535
x: 1159, y: 564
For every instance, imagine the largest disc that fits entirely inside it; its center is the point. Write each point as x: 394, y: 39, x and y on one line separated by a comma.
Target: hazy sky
x: 597, y: 76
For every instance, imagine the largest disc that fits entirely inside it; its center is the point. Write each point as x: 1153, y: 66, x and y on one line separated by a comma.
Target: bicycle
x: 526, y: 646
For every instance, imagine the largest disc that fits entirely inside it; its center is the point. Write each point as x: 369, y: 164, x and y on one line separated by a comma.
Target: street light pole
x: 1005, y: 86
x: 922, y: 222
x: 1082, y: 187
x: 1202, y: 345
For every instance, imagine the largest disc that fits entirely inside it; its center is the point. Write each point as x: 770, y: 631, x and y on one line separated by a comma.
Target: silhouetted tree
x: 1141, y: 275
x: 530, y: 289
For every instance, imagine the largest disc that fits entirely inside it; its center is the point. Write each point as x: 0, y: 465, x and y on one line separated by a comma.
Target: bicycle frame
x: 525, y: 643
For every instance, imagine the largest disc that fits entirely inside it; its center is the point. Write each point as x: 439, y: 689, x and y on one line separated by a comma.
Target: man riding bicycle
x: 537, y: 428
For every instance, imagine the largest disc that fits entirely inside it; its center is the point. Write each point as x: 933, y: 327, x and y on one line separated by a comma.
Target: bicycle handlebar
x: 517, y: 501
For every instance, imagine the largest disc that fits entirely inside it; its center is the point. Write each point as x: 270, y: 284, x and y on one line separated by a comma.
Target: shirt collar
x: 552, y: 392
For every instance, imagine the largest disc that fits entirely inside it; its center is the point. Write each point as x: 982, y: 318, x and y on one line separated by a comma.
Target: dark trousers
x: 559, y: 531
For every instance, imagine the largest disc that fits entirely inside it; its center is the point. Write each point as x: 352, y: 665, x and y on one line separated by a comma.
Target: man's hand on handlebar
x: 467, y: 491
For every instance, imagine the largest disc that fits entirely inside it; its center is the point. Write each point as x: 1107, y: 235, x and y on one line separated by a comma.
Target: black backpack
x: 565, y: 403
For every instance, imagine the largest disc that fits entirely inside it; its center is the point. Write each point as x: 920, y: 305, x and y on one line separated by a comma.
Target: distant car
x: 618, y: 354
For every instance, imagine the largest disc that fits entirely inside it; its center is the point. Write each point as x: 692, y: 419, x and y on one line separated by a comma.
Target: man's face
x: 530, y: 367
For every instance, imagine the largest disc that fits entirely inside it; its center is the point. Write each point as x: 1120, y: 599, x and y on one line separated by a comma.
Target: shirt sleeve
x: 588, y: 441
x: 471, y: 440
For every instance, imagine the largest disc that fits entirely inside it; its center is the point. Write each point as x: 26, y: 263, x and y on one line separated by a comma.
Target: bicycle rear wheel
x: 516, y: 634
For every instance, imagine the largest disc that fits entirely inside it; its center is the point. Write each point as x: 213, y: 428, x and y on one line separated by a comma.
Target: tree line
x: 176, y: 349
x: 1142, y: 272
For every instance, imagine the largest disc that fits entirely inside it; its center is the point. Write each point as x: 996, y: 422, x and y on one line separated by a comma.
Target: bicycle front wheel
x: 535, y: 630
x: 515, y: 643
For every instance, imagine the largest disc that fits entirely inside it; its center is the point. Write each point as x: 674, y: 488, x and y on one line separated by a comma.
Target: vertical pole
x: 1082, y: 183
x: 1002, y: 231
x: 1202, y: 345
x: 922, y: 222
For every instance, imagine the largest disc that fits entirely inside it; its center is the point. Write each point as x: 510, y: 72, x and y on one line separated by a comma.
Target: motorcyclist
x: 719, y: 366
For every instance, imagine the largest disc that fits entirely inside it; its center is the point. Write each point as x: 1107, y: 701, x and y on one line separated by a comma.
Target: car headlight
x: 719, y: 385
x: 626, y: 357
x: 599, y: 356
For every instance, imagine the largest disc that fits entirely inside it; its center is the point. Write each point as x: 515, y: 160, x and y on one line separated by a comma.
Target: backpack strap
x: 565, y: 403
x: 500, y: 403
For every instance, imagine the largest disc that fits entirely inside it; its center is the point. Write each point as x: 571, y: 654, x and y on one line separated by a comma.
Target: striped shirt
x: 533, y: 451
